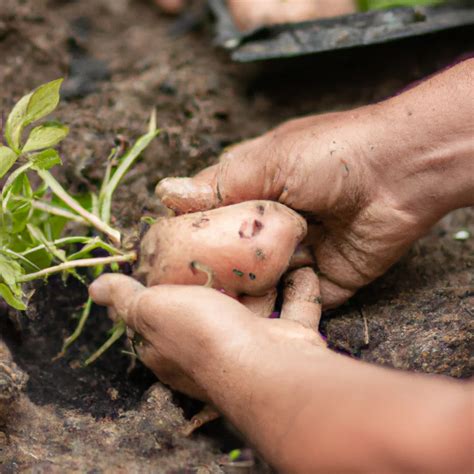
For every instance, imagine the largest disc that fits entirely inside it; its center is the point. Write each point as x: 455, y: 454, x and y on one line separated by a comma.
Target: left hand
x: 250, y: 14
x: 185, y: 329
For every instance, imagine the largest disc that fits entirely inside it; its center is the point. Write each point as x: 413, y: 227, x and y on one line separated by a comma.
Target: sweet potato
x: 239, y: 249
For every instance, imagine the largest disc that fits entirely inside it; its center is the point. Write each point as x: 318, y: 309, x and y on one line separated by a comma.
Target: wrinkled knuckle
x: 139, y: 312
x: 282, y: 129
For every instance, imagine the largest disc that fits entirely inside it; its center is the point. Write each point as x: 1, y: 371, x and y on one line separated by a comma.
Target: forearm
x: 307, y: 409
x: 427, y: 138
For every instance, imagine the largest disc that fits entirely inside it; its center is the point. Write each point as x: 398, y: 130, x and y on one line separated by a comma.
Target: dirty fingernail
x: 99, y: 291
x: 184, y: 194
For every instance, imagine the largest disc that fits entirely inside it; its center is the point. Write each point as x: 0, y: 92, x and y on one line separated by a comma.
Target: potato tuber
x: 239, y: 249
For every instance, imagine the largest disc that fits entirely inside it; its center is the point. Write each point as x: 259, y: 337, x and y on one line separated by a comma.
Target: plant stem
x: 19, y: 256
x: 11, y: 179
x: 95, y: 243
x: 57, y: 211
x: 60, y: 242
x: 108, y: 173
x: 127, y: 161
x: 77, y: 332
x: 118, y: 332
x: 87, y: 262
x: 112, y: 234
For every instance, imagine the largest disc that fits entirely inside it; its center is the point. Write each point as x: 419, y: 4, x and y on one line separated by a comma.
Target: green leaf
x: 16, y: 205
x: 234, y: 455
x: 18, y: 216
x: 10, y: 270
x: 38, y: 235
x: 31, y: 107
x: 45, y: 136
x: 43, y: 101
x: 106, y: 193
x: 45, y: 159
x: 380, y: 4
x: 12, y: 178
x: 11, y: 299
x: 21, y: 258
x: 15, y: 122
x: 7, y: 159
x: 21, y: 187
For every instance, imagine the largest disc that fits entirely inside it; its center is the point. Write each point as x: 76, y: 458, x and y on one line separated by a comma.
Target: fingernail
x: 99, y: 291
x: 184, y: 194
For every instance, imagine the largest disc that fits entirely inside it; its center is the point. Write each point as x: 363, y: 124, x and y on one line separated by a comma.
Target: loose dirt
x: 121, y: 58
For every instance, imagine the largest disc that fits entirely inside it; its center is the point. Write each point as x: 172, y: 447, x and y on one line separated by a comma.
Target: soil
x: 121, y: 58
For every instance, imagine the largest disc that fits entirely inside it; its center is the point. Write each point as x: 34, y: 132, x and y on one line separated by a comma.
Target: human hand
x: 319, y: 167
x: 369, y: 181
x: 186, y: 330
x: 249, y: 14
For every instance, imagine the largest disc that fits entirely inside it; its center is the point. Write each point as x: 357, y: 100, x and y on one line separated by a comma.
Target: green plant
x: 365, y: 5
x: 44, y: 229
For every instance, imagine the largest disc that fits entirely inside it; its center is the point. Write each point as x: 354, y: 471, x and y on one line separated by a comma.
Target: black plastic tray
x: 348, y: 31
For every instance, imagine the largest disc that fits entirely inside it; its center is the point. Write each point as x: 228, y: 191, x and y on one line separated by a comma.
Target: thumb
x: 245, y: 172
x: 172, y: 7
x: 119, y: 293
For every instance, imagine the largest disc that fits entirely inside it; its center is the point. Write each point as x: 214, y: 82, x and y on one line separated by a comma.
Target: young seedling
x: 365, y: 5
x: 44, y: 230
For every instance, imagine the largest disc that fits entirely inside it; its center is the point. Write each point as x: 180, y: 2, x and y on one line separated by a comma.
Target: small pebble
x: 462, y: 235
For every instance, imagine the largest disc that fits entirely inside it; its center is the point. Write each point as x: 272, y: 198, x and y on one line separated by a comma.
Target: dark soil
x: 120, y: 60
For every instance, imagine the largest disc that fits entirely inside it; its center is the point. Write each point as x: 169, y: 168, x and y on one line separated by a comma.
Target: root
x: 200, y: 267
x: 77, y: 332
x: 207, y: 414
x: 117, y: 332
x: 366, y: 328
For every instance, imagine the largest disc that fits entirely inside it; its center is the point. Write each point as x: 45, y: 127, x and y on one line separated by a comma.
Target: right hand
x: 370, y: 181
x: 318, y: 166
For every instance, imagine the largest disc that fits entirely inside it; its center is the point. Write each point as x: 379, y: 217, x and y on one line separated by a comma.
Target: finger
x: 168, y: 372
x: 170, y: 313
x: 343, y: 269
x: 172, y: 7
x: 302, y: 299
x: 184, y: 195
x: 123, y: 296
x: 262, y: 306
x: 116, y: 292
x: 250, y: 170
x: 112, y: 314
x: 333, y: 295
x: 302, y: 257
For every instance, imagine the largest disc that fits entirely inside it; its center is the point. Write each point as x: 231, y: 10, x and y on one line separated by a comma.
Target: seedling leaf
x: 43, y: 101
x: 33, y: 219
x: 10, y: 298
x: 7, y: 159
x: 12, y: 177
x: 10, y: 270
x: 45, y: 159
x: 37, y: 235
x: 365, y: 5
x: 235, y: 454
x: 105, y: 200
x: 16, y: 122
x: 45, y: 136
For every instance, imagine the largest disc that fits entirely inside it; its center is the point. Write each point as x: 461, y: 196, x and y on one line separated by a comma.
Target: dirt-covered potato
x: 240, y: 249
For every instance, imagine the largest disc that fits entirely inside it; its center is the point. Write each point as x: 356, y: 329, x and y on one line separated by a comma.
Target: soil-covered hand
x: 280, y: 386
x: 369, y: 181
x: 180, y: 326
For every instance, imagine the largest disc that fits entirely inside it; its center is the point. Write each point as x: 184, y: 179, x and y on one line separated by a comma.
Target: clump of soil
x: 120, y: 60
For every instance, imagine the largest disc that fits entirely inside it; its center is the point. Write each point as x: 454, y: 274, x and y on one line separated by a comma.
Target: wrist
x: 216, y: 369
x: 423, y: 166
